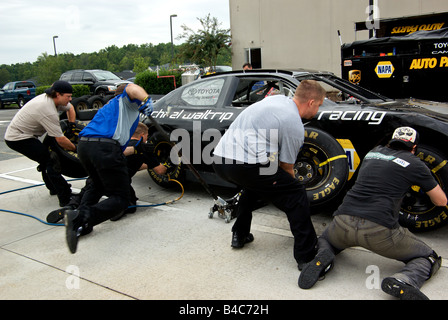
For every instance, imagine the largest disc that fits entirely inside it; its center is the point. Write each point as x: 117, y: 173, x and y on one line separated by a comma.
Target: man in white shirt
x: 37, y: 117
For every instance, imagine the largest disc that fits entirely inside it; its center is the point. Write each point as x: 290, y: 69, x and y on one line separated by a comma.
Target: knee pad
x: 436, y: 262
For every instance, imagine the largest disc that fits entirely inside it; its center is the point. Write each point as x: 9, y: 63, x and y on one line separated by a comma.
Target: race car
x: 351, y: 121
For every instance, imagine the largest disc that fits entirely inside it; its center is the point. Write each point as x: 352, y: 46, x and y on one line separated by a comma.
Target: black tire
x: 20, y: 102
x: 418, y: 213
x: 69, y: 161
x: 83, y: 108
x: 321, y: 166
x: 95, y: 102
x: 162, y: 149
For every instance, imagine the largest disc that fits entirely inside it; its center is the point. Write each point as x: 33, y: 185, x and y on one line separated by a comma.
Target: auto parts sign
x: 384, y: 69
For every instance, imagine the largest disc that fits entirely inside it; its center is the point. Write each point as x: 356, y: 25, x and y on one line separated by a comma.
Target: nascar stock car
x: 351, y: 121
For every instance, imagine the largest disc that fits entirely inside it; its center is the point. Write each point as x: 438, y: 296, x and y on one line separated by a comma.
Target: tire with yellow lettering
x: 418, y: 213
x: 322, y: 166
x: 162, y: 149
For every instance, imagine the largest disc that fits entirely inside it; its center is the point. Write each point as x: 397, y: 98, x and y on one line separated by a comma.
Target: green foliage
x: 207, y: 47
x: 162, y: 84
x: 207, y: 44
x: 79, y: 90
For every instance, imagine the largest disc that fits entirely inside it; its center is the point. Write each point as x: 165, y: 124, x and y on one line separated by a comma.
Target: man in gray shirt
x: 258, y: 152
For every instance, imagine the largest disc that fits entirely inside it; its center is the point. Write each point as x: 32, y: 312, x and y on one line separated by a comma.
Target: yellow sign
x: 429, y: 63
x: 352, y: 156
x: 384, y: 69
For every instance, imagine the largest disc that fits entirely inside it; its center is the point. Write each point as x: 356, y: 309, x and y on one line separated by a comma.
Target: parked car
x: 100, y: 82
x: 19, y: 92
x: 351, y: 121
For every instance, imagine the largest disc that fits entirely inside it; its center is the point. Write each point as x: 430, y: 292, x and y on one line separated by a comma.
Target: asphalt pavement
x: 173, y: 252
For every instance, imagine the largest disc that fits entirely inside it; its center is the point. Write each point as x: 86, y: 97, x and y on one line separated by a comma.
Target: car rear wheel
x: 162, y: 150
x: 321, y: 166
x: 418, y: 213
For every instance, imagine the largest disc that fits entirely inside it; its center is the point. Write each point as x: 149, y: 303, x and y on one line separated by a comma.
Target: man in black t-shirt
x: 368, y: 217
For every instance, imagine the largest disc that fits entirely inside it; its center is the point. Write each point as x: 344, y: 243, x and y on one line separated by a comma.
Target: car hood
x: 438, y: 110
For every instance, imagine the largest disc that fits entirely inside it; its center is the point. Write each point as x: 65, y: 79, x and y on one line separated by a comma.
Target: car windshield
x: 105, y: 75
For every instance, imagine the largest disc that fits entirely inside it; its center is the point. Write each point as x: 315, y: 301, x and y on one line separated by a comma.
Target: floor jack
x: 224, y: 208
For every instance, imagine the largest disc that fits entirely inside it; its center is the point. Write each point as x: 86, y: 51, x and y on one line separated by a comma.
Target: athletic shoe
x: 56, y: 215
x: 402, y: 290
x: 316, y: 268
x: 75, y: 226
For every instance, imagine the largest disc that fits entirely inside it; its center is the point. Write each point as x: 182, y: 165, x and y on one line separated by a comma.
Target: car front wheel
x: 321, y: 166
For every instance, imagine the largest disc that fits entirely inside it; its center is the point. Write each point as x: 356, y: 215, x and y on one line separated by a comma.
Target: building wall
x: 303, y: 33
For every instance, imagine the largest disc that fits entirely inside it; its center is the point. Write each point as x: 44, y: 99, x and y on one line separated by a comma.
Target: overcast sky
x: 27, y: 27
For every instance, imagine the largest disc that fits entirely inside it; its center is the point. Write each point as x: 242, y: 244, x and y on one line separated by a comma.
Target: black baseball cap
x: 61, y: 87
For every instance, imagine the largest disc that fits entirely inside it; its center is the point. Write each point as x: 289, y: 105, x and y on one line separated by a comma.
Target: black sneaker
x: 118, y: 216
x: 57, y: 215
x: 402, y: 290
x: 315, y: 269
x: 75, y: 226
x: 239, y: 241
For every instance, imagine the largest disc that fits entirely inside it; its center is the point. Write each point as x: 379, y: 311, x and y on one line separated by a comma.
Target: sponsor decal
x: 354, y: 76
x: 197, y: 115
x: 352, y: 156
x: 384, y: 69
x: 373, y: 117
x: 429, y: 63
x: 414, y: 28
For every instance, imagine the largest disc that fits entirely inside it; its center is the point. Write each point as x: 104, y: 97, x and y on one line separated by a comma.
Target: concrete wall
x: 303, y: 33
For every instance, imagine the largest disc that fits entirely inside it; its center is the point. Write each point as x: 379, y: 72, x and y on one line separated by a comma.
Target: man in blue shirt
x: 100, y: 150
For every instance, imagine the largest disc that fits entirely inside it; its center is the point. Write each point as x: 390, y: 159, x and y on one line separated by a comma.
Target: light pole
x: 171, y: 29
x: 54, y: 45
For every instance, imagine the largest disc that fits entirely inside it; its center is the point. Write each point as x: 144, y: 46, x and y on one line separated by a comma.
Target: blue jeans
x: 347, y: 231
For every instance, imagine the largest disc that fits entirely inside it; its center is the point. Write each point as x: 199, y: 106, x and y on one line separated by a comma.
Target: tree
x: 204, y: 46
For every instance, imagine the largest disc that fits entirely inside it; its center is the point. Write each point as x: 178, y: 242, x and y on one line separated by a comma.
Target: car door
x: 200, y: 103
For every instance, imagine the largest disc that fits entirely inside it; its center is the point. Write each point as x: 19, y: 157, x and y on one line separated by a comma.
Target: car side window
x: 203, y: 93
x: 66, y: 76
x: 252, y: 90
x: 77, y: 76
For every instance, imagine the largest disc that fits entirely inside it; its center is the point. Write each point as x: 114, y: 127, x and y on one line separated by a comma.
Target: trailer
x: 411, y: 66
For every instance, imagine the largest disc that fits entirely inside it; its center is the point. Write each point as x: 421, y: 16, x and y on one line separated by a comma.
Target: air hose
x: 61, y: 224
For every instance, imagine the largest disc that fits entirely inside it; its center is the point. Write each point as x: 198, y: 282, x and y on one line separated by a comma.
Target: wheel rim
x: 308, y: 169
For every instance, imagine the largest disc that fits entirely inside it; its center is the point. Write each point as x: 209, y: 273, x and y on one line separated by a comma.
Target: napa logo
x: 384, y: 69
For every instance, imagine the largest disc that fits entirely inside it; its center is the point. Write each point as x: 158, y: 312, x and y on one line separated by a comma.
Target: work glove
x: 70, y: 132
x: 138, y: 147
x: 146, y: 107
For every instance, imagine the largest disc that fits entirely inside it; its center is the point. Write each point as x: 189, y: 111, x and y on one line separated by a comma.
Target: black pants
x: 283, y: 191
x: 37, y: 151
x: 106, y: 166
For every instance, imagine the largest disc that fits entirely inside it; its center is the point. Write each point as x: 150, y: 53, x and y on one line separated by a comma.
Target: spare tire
x: 68, y: 160
x: 82, y: 108
x: 321, y: 166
